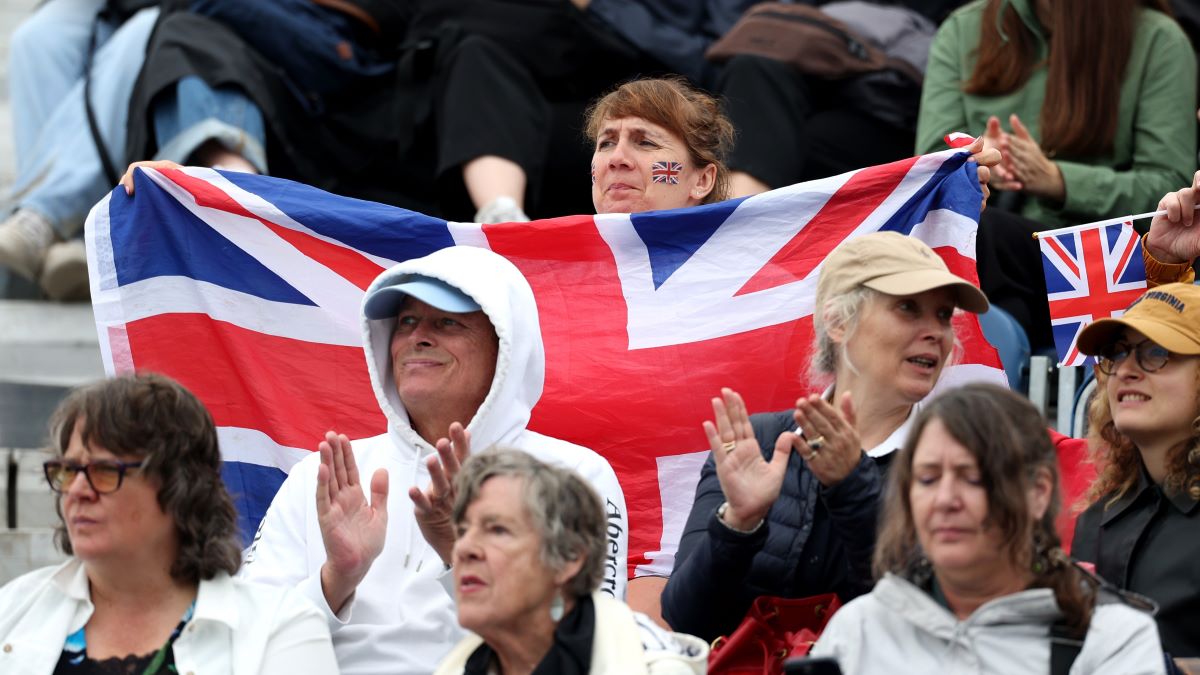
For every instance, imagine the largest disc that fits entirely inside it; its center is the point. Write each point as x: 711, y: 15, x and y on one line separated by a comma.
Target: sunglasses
x: 1150, y: 356
x: 105, y: 476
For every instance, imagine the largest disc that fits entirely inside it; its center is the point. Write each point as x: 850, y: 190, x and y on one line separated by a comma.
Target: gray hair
x: 565, y: 510
x: 840, y: 311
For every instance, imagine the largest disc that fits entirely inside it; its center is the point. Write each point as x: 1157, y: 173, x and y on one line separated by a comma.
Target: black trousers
x: 1010, y: 271
x: 793, y: 127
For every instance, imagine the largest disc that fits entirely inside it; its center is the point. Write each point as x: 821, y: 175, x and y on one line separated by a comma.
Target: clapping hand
x: 353, y: 529
x: 1002, y: 175
x: 434, y: 506
x: 1033, y: 170
x: 1175, y: 237
x: 750, y: 483
x: 830, y: 444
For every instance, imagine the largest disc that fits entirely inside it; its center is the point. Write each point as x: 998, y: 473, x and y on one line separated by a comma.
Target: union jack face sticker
x: 665, y: 172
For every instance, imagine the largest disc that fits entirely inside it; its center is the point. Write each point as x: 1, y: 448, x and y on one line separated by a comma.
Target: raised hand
x: 1037, y: 173
x: 995, y: 138
x: 750, y: 483
x: 1175, y: 237
x: 830, y: 444
x: 434, y: 507
x: 127, y: 180
x: 352, y: 529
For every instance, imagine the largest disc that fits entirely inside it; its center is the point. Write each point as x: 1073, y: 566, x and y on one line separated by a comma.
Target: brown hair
x: 680, y: 108
x: 1007, y: 437
x: 1119, y: 461
x: 1088, y: 56
x: 155, y: 419
x: 565, y: 510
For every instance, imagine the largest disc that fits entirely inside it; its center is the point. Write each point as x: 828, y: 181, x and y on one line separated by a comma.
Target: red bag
x: 774, y: 630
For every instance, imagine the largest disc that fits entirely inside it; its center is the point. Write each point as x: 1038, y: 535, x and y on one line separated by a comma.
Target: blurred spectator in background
x: 65, y: 152
x: 1093, y: 108
x: 973, y: 577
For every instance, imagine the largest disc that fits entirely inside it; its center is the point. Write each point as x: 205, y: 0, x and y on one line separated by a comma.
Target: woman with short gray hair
x: 528, y: 559
x: 813, y: 474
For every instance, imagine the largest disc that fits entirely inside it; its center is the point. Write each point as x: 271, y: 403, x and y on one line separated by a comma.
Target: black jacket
x: 1148, y: 542
x: 815, y: 540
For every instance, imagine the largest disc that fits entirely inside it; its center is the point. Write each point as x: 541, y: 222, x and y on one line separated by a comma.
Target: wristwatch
x: 721, y: 517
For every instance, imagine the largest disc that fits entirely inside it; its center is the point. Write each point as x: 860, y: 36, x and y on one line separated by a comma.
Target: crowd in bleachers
x: 931, y: 517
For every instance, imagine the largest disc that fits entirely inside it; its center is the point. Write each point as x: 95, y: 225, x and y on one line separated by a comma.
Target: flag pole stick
x: 1110, y: 221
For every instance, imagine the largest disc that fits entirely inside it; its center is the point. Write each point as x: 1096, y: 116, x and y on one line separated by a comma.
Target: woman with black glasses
x: 152, y: 535
x: 1142, y: 530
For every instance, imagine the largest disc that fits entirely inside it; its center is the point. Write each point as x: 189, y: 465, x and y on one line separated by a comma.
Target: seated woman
x: 528, y: 558
x: 152, y: 537
x: 1141, y: 527
x: 770, y: 521
x: 1095, y: 119
x: 973, y: 578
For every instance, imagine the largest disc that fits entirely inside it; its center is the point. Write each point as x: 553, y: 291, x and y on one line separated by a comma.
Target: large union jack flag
x: 1092, y: 272
x: 247, y: 289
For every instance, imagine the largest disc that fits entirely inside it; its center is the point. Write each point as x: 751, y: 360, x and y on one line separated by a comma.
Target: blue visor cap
x: 384, y: 302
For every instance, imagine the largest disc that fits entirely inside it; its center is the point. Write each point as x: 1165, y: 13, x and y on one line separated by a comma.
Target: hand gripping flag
x: 1092, y: 272
x: 247, y: 289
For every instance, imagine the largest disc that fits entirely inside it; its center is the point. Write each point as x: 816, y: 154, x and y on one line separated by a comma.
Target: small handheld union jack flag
x: 665, y: 172
x: 1091, y: 273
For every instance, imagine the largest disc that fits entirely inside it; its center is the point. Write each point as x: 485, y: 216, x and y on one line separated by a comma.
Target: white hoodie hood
x: 507, y: 300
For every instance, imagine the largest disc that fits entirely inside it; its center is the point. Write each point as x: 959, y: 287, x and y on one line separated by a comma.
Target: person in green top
x: 1092, y: 105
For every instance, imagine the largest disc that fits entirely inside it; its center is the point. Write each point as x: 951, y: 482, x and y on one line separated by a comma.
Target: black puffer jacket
x: 816, y: 540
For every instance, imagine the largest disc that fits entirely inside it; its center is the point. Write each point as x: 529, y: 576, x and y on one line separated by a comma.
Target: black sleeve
x: 705, y: 592
x: 853, y: 506
x: 1086, y: 542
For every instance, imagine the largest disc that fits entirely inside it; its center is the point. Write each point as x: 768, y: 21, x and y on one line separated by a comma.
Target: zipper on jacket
x: 855, y: 47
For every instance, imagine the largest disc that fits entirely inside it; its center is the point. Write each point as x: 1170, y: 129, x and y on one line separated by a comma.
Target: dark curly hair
x: 155, y: 419
x: 675, y: 105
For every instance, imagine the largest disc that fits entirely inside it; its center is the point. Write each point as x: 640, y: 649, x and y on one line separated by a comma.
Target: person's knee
x: 50, y: 37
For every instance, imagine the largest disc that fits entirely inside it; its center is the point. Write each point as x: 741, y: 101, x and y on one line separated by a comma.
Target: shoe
x: 24, y: 239
x: 65, y: 274
x: 501, y: 210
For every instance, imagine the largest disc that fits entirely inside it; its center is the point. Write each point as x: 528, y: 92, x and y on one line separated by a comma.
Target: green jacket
x: 1154, y: 149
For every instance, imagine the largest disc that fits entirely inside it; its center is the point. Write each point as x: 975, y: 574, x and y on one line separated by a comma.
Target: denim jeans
x: 193, y: 113
x: 59, y: 173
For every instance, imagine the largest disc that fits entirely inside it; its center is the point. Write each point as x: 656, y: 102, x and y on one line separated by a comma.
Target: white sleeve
x: 1122, y: 640
x: 842, y: 638
x: 299, y: 642
x: 278, y: 556
x: 616, y: 566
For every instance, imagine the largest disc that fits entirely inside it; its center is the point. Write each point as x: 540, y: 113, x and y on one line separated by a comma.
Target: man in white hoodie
x: 451, y: 337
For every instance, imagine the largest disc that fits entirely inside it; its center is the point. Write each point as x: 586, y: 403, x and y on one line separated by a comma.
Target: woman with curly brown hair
x: 1141, y: 528
x: 153, y: 539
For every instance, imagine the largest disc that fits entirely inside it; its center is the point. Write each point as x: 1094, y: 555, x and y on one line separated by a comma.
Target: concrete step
x: 48, y: 343
x: 34, y: 502
x: 25, y: 550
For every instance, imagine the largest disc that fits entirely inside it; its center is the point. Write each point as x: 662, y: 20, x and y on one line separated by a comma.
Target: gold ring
x: 817, y: 443
x: 811, y: 456
x: 729, y: 446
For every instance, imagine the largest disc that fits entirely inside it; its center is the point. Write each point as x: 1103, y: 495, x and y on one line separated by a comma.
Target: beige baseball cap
x: 1168, y: 314
x: 892, y: 263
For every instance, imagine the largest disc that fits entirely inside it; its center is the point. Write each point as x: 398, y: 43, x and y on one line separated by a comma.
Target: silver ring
x: 817, y: 443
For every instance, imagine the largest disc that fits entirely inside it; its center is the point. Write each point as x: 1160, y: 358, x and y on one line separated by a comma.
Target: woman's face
x: 950, y: 512
x: 950, y: 507
x: 639, y: 166
x: 1160, y: 405
x: 500, y: 580
x: 122, y: 526
x: 900, y: 343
